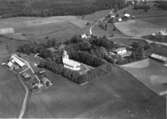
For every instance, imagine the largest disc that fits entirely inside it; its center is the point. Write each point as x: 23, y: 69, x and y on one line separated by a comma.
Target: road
x: 24, y: 104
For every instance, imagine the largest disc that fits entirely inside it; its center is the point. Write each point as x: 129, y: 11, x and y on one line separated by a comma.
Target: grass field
x: 138, y: 27
x: 11, y: 94
x: 112, y: 96
x: 145, y: 23
x: 152, y: 76
x: 104, y: 97
x: 160, y: 21
x: 60, y: 27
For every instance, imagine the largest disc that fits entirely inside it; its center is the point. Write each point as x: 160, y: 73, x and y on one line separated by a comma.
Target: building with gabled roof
x: 69, y: 63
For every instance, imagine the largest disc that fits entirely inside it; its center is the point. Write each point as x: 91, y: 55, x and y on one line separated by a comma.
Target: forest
x: 44, y: 8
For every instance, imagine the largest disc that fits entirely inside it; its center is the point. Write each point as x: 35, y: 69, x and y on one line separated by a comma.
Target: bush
x: 102, y: 42
x: 73, y: 40
x: 44, y: 53
x: 141, y: 50
x: 27, y: 48
x: 85, y: 46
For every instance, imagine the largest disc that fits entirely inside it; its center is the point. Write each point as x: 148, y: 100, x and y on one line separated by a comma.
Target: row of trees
x: 73, y: 75
x: 59, y: 69
x: 141, y: 50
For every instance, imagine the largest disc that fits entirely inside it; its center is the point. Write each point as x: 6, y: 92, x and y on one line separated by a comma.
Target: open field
x: 101, y: 98
x: 160, y: 21
x: 37, y: 21
x: 146, y: 23
x: 124, y: 40
x: 96, y: 15
x: 138, y: 64
x: 11, y: 94
x: 112, y: 96
x: 153, y: 75
x: 61, y: 27
x: 138, y: 27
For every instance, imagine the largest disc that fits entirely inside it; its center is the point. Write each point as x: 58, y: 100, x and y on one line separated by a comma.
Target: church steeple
x: 65, y: 54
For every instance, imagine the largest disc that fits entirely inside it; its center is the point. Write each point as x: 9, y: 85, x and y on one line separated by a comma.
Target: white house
x: 15, y: 60
x: 123, y: 52
x: 127, y: 15
x: 70, y: 64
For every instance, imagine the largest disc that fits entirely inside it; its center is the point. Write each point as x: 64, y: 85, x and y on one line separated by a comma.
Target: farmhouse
x: 127, y: 15
x: 15, y: 62
x: 123, y: 52
x: 163, y: 32
x: 25, y: 66
x: 70, y: 64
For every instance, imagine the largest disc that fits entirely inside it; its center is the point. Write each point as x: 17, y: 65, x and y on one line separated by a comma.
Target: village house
x: 123, y: 52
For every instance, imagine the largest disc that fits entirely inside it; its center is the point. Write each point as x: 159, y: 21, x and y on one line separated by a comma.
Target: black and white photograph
x: 83, y: 59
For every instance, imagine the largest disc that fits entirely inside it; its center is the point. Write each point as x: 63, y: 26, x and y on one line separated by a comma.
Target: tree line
x: 53, y: 8
x: 74, y: 75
